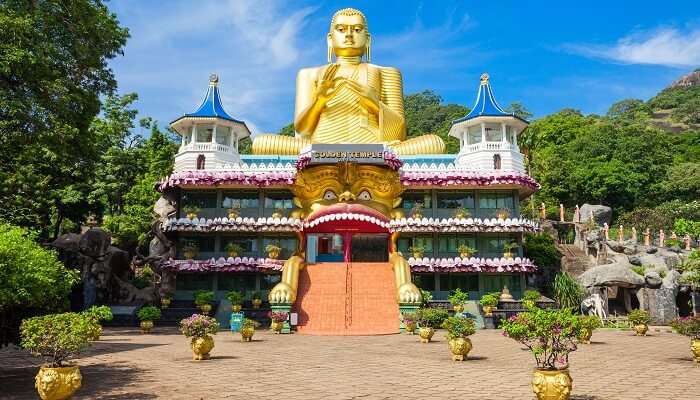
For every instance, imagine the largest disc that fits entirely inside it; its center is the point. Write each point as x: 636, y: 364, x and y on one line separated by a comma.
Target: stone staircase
x: 574, y: 260
x: 347, y: 299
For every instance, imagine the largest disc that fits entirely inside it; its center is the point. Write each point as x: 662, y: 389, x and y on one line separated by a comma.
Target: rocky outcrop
x: 661, y: 301
x: 616, y: 274
x: 601, y: 214
x: 691, y: 79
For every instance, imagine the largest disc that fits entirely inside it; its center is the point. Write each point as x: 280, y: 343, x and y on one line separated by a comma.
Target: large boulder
x: 601, y: 214
x: 615, y: 274
x: 661, y: 301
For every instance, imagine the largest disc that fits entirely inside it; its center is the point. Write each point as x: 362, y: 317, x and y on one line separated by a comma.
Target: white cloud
x: 664, y: 46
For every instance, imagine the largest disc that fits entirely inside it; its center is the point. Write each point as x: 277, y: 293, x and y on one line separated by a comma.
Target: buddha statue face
x: 348, y: 34
x: 368, y: 190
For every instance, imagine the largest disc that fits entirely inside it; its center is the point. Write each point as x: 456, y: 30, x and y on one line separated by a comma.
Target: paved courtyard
x: 127, y: 365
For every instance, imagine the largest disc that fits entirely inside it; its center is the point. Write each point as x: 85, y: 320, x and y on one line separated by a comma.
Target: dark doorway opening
x: 369, y: 248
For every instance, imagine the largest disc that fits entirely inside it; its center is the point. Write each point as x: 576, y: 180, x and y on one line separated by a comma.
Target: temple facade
x: 457, y: 219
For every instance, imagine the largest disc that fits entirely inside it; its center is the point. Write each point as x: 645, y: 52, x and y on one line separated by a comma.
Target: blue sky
x: 546, y: 55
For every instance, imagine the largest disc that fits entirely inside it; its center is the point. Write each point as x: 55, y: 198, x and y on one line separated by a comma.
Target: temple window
x: 278, y: 201
x: 411, y: 198
x: 449, y: 201
x: 425, y: 281
x: 509, y: 134
x: 204, y: 133
x: 464, y: 281
x: 424, y: 241
x: 204, y: 246
x: 242, y: 281
x: 448, y: 244
x: 496, y: 161
x: 201, y: 161
x: 474, y: 134
x: 203, y: 201
x: 492, y: 246
x: 288, y: 245
x: 223, y: 135
x: 494, y: 132
x: 196, y: 281
x: 495, y: 283
x: 491, y: 202
x: 247, y: 203
x: 249, y: 244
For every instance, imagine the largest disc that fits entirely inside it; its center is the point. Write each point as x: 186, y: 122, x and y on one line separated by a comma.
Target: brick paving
x: 127, y: 365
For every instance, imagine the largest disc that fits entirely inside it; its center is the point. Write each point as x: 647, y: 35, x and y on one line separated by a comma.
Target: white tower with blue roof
x: 488, y: 135
x: 210, y: 135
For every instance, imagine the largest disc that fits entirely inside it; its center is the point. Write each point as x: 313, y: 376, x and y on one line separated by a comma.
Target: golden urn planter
x: 417, y: 215
x: 165, y: 302
x: 460, y: 348
x: 277, y: 215
x: 551, y: 385
x: 58, y: 383
x: 232, y: 254
x: 695, y: 349
x: 205, y: 308
x: 488, y: 310
x: 584, y: 336
x: 201, y: 346
x: 418, y: 255
x: 426, y: 334
x: 236, y: 308
x: 508, y: 255
x: 233, y: 214
x: 276, y: 327
x: 247, y: 333
x: 410, y: 328
x: 146, y: 326
x: 189, y: 254
x: 641, y: 329
x: 191, y: 215
x: 458, y: 308
x: 257, y: 303
x: 274, y: 254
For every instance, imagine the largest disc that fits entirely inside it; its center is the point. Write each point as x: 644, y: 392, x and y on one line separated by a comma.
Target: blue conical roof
x: 211, y: 107
x: 486, y: 104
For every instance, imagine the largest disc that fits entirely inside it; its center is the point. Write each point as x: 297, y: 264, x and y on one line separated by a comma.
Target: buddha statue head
x: 348, y: 35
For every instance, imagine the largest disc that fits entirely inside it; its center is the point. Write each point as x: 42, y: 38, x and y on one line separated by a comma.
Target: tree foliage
x: 53, y: 70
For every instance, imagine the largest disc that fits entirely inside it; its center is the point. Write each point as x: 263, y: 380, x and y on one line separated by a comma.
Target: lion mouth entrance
x: 345, y: 217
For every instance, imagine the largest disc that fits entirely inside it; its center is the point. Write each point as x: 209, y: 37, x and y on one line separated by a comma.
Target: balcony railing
x: 492, y: 146
x: 196, y: 146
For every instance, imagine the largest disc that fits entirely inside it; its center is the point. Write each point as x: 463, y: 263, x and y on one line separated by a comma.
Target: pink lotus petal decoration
x: 473, y: 264
x: 238, y: 264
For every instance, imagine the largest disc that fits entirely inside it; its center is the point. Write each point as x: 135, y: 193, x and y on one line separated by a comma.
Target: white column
x: 193, y: 138
x: 234, y: 136
x: 213, y: 135
x: 515, y: 138
x: 503, y: 130
x: 483, y: 132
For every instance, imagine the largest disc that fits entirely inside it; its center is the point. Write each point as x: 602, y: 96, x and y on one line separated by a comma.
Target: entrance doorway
x: 347, y: 247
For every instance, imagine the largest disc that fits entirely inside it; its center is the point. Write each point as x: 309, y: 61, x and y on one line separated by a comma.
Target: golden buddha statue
x: 349, y: 101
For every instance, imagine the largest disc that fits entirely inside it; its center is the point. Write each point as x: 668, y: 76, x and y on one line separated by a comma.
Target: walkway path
x: 127, y: 365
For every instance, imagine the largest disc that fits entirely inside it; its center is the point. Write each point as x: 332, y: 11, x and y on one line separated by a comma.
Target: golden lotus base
x: 460, y: 348
x: 58, y: 383
x: 641, y: 329
x: 695, y: 349
x: 551, y: 385
x: 201, y: 346
x: 426, y: 334
x: 247, y: 334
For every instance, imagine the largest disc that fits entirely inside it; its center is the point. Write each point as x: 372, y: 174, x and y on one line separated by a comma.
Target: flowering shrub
x: 431, y: 317
x: 549, y: 334
x: 199, y: 326
x: 56, y: 337
x: 278, y: 316
x: 687, y: 326
x: 639, y: 317
x: 459, y: 327
x: 410, y: 318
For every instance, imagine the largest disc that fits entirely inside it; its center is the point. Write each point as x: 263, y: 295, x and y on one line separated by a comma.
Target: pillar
x: 606, y: 229
x: 483, y: 132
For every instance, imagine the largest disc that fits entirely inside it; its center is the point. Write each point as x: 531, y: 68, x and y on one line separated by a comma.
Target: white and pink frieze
x: 230, y: 264
x: 473, y: 264
x: 239, y: 224
x: 463, y: 225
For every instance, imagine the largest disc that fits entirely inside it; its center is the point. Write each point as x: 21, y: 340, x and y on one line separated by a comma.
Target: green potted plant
x: 278, y: 213
x: 236, y: 298
x: 430, y: 319
x: 458, y: 298
x: 273, y: 250
x: 147, y: 315
x: 56, y: 338
x: 191, y: 211
x: 461, y: 213
x: 190, y: 250
x: 488, y: 303
x: 417, y: 250
x: 465, y: 251
x: 427, y: 297
x: 587, y: 324
x: 503, y: 213
x: 233, y: 250
x: 256, y: 299
x: 530, y: 298
x: 417, y: 211
x: 203, y: 299
x: 639, y: 320
x: 234, y: 212
x: 248, y: 329
x: 550, y: 335
x: 200, y: 328
x: 689, y: 326
x: 410, y: 323
x: 277, y: 319
x: 458, y: 332
x: 95, y: 314
x: 508, y: 250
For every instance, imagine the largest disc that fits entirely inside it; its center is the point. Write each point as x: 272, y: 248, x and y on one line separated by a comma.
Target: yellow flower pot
x: 205, y: 308
x: 233, y: 254
x: 201, y: 346
x: 233, y: 215
x: 189, y: 254
x: 276, y: 327
x: 58, y: 383
x: 274, y: 254
x: 458, y: 308
x: 488, y: 310
x: 235, y: 308
x: 464, y: 255
x: 146, y: 326
x: 584, y: 336
x: 641, y: 329
x: 417, y: 215
x: 257, y: 303
x: 507, y: 255
x: 460, y: 348
x: 276, y: 215
x: 191, y: 215
x: 247, y: 333
x: 410, y: 328
x: 417, y: 254
x: 165, y: 302
x: 426, y: 334
x: 695, y: 349
x: 551, y: 385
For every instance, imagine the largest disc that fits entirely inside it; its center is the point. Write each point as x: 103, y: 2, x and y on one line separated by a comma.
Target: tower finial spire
x: 213, y: 80
x: 484, y: 78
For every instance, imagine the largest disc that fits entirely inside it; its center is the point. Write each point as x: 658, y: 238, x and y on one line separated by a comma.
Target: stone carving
x: 594, y: 305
